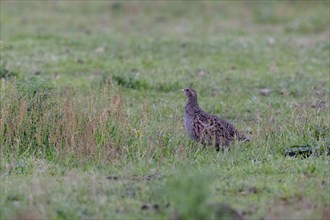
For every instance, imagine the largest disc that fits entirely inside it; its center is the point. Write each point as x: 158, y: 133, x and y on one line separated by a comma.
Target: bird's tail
x: 243, y: 137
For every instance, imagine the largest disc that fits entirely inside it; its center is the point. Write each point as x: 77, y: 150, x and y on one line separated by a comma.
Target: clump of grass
x: 188, y: 193
x: 38, y: 120
x: 36, y: 91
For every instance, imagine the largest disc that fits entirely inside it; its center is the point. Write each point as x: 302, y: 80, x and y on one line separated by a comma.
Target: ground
x: 91, y: 113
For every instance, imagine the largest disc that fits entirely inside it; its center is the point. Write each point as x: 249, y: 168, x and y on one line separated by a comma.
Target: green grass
x: 91, y: 113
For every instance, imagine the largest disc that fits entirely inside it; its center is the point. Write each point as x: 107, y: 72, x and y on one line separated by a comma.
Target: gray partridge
x: 206, y: 128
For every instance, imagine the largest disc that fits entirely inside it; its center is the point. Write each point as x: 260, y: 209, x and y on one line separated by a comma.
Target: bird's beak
x: 182, y: 90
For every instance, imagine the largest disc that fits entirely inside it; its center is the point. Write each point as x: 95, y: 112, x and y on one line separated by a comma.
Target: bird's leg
x: 204, y: 143
x: 228, y: 143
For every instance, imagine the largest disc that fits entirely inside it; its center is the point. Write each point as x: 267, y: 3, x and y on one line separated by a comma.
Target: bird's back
x: 210, y: 129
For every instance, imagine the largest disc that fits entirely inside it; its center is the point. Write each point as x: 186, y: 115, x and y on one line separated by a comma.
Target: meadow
x: 91, y: 112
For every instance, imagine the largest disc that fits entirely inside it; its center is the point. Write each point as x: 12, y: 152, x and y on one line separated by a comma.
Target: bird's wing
x: 204, y: 127
x: 224, y: 128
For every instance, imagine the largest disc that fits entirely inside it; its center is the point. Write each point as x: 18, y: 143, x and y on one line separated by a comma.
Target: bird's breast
x: 188, y: 123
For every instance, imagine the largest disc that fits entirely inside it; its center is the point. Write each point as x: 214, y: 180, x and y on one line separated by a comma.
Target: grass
x: 91, y: 113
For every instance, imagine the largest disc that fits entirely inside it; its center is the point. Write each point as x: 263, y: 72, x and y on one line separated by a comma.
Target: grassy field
x: 91, y: 113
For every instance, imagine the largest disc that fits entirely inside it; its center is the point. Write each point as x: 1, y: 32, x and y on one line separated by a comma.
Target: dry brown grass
x: 91, y: 125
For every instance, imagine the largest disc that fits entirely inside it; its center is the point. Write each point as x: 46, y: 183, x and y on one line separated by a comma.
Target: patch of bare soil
x: 291, y: 208
x: 326, y: 213
x: 28, y: 216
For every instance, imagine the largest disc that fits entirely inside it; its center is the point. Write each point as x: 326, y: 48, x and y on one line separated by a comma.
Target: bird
x: 206, y: 128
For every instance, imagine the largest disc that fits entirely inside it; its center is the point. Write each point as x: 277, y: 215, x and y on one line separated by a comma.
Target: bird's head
x: 190, y: 93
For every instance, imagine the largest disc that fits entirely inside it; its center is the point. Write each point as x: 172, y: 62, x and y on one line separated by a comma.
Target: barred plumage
x: 206, y: 128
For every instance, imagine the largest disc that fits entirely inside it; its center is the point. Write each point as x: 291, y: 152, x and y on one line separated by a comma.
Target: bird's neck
x: 192, y: 105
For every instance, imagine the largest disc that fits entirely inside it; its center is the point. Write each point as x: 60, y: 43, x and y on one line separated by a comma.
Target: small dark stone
x: 305, y: 151
x: 80, y: 61
x: 116, y: 6
x: 150, y: 206
x: 264, y: 91
x: 160, y: 19
x: 87, y: 31
x: 248, y: 190
x: 37, y: 72
x: 112, y: 177
x: 145, y: 206
x: 224, y: 211
x: 147, y: 177
x: 252, y: 189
